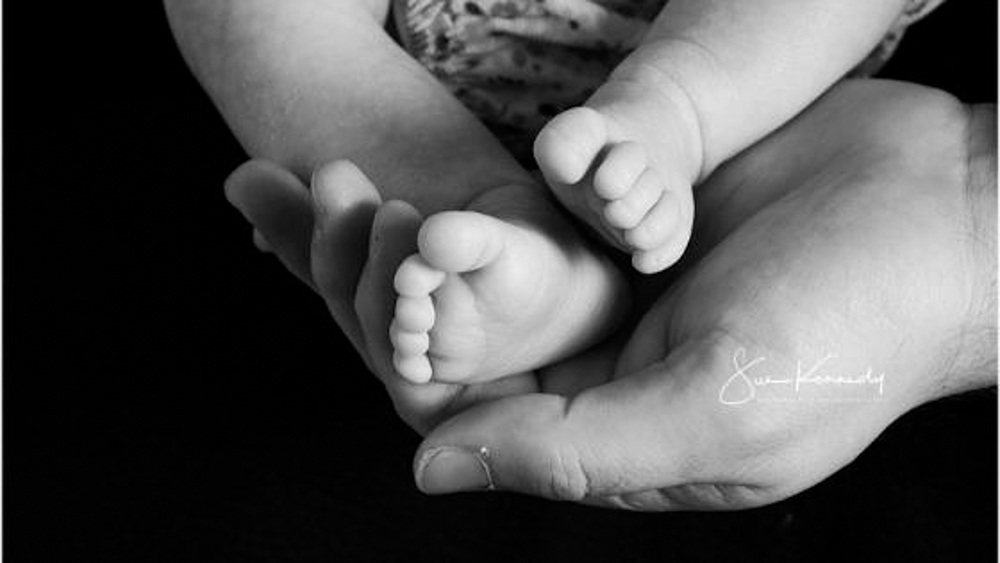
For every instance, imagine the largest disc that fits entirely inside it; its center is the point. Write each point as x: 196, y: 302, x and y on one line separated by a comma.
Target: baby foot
x: 492, y: 294
x: 623, y: 164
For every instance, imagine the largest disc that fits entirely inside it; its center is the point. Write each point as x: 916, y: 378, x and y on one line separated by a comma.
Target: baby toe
x: 619, y: 170
x: 663, y: 256
x: 409, y: 343
x: 657, y: 260
x: 626, y: 212
x: 413, y: 368
x: 415, y: 314
x: 461, y: 241
x: 657, y: 227
x: 567, y: 146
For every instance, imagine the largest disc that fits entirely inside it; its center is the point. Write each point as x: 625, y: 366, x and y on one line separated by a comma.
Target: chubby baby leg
x: 503, y: 287
x: 709, y: 80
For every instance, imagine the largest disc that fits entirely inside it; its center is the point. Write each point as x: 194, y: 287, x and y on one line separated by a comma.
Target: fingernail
x: 451, y: 470
x: 261, y: 243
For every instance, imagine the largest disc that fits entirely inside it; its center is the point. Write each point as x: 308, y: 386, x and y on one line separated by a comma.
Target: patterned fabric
x: 517, y: 63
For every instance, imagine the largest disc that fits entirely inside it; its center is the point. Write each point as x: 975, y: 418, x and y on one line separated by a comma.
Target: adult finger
x: 278, y: 205
x: 636, y: 442
x: 393, y: 238
x: 344, y: 203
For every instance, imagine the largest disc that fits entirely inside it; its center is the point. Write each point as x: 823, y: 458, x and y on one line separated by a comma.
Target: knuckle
x: 757, y: 433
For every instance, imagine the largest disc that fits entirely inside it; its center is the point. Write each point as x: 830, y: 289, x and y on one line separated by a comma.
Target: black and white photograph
x: 500, y: 280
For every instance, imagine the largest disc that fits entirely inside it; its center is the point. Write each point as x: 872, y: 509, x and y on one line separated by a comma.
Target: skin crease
x: 863, y: 229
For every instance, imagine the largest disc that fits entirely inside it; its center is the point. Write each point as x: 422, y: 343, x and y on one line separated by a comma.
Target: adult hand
x: 343, y: 241
x: 847, y: 278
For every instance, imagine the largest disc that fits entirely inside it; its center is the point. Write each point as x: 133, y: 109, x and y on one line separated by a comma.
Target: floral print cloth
x: 517, y: 63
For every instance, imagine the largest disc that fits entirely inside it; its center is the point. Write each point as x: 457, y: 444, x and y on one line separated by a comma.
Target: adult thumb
x: 630, y: 435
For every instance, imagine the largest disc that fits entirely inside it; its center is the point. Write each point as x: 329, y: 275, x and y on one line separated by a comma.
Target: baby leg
x: 709, y: 80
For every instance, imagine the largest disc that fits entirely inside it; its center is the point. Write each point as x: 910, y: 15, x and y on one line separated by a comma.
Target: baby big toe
x: 567, y: 146
x: 461, y: 241
x: 628, y: 211
x: 415, y: 277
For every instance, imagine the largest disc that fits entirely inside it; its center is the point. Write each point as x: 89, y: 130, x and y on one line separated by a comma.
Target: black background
x: 170, y: 394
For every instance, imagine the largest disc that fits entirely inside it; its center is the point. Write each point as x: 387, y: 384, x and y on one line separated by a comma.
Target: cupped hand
x: 345, y: 243
x: 843, y: 277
